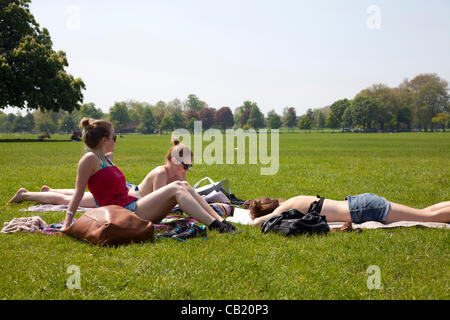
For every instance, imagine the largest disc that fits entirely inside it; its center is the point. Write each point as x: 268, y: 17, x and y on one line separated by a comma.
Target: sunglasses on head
x: 186, y: 166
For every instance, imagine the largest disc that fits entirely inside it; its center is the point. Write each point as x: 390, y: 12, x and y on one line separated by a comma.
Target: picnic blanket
x: 242, y: 216
x: 25, y: 224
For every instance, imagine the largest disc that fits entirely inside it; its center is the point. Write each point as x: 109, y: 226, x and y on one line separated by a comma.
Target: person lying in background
x: 356, y: 209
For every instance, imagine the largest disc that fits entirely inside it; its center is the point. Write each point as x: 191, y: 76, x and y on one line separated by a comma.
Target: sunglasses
x: 186, y: 166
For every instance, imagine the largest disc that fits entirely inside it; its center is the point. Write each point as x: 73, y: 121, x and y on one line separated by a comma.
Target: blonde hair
x: 177, y: 150
x: 94, y: 130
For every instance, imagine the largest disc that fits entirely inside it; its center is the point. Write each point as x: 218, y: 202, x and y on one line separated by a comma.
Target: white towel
x: 241, y: 216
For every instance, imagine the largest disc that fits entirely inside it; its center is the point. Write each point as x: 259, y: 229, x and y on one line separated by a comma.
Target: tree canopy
x: 32, y: 74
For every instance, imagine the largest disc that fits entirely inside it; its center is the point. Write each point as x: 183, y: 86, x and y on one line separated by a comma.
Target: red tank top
x: 108, y: 187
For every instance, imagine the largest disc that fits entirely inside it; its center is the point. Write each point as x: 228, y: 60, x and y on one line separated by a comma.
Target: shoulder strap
x: 104, y: 164
x: 109, y: 160
x: 316, y: 206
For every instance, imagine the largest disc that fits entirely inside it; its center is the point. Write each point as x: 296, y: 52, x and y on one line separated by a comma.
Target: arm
x: 86, y: 167
x: 160, y: 180
x: 258, y: 221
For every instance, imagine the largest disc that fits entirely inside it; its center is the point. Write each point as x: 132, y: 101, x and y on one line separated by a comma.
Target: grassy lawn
x: 408, y: 168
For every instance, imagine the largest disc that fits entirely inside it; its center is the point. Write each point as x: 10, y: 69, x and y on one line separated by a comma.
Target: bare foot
x: 45, y: 188
x: 18, y: 196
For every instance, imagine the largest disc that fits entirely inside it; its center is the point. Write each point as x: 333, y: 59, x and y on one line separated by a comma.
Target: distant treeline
x: 422, y: 103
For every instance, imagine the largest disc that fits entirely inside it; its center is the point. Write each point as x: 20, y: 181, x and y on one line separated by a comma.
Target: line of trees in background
x: 422, y: 103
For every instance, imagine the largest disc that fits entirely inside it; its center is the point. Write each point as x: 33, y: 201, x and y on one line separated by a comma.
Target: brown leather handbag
x: 110, y: 225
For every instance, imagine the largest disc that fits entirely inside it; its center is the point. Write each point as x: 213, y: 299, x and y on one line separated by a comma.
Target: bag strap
x: 195, y: 185
x: 223, y: 184
x: 316, y: 206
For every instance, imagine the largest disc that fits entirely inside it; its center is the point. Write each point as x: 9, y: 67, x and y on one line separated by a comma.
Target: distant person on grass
x: 155, y: 179
x: 107, y: 184
x: 357, y: 209
x: 45, y: 135
x: 76, y: 136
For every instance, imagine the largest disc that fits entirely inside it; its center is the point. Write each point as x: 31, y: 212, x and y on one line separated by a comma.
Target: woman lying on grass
x: 155, y: 179
x: 107, y: 184
x: 357, y: 209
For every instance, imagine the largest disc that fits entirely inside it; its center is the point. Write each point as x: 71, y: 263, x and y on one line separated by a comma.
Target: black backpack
x: 293, y: 222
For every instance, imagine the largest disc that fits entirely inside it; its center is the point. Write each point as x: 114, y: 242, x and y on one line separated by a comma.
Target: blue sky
x: 304, y: 54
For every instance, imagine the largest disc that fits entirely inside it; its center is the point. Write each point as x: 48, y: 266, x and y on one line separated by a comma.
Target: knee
x: 63, y: 199
x: 177, y: 187
x: 186, y: 185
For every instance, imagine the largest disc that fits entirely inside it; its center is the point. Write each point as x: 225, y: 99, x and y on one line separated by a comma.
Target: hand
x: 64, y: 228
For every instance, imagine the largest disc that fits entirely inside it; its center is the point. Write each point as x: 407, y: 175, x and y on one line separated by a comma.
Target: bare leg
x: 399, y: 212
x: 202, y: 202
x: 51, y: 198
x: 146, y: 186
x: 156, y: 205
x: 68, y: 192
x: 438, y: 206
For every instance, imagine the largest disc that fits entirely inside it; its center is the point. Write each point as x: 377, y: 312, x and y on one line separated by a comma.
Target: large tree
x: 194, y: 103
x: 148, y: 123
x: 206, y: 116
x: 336, y: 114
x: 274, y: 120
x: 290, y: 117
x: 332, y: 121
x: 32, y: 74
x: 305, y: 123
x: 256, y: 118
x: 119, y: 115
x: 364, y: 111
x: 167, y: 123
x: 442, y: 119
x: 224, y: 118
x: 320, y: 119
x: 242, y: 113
x: 67, y: 124
x: 431, y: 98
x: 89, y: 110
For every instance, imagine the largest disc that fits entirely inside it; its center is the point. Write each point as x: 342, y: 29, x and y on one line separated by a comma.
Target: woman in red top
x: 107, y: 184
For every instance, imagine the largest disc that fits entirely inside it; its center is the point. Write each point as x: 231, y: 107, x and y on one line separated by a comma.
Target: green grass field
x: 408, y: 168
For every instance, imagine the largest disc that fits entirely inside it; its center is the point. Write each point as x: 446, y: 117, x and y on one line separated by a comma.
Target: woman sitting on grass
x: 357, y: 209
x: 107, y: 184
x: 155, y: 179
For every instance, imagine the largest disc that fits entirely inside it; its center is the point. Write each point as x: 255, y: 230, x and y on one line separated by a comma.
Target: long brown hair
x: 177, y: 150
x: 262, y: 206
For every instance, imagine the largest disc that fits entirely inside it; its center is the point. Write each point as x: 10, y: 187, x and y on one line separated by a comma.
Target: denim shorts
x: 131, y: 206
x: 368, y: 207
